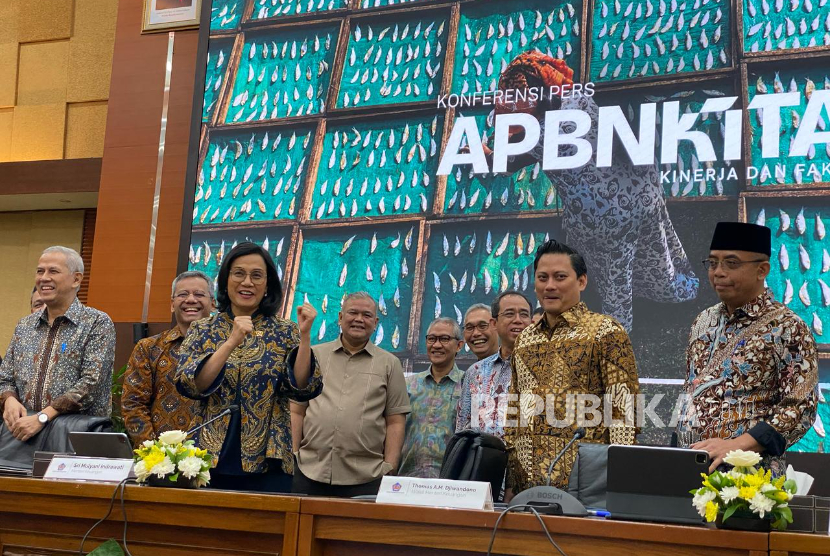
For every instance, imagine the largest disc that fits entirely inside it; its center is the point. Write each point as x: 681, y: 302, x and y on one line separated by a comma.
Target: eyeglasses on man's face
x: 443, y: 339
x: 510, y: 315
x: 727, y: 264
x: 198, y: 295
x: 481, y: 327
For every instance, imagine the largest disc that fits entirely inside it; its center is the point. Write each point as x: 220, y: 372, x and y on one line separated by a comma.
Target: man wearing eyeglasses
x: 480, y: 332
x: 752, y: 364
x: 433, y: 396
x: 150, y: 403
x: 486, y: 383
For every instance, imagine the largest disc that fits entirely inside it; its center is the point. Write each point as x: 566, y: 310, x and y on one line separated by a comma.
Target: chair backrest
x: 53, y: 438
x: 588, y: 481
x: 475, y: 456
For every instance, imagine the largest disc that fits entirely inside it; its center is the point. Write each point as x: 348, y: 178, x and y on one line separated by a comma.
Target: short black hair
x: 538, y: 311
x: 270, y: 304
x: 553, y: 247
x: 495, y: 308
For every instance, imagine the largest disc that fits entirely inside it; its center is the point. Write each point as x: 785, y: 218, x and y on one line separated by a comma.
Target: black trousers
x: 304, y: 485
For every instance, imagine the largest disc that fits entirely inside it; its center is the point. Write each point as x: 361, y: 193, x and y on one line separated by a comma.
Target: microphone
x: 230, y: 409
x: 559, y: 501
x: 579, y: 433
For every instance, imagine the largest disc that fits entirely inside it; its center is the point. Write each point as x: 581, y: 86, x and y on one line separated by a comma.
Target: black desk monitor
x: 101, y: 445
x: 647, y: 483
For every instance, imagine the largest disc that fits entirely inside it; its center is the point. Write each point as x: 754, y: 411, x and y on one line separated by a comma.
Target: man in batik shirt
x: 752, y: 364
x: 150, y: 403
x: 433, y: 397
x: 60, y: 358
x: 484, y: 390
x: 570, y: 360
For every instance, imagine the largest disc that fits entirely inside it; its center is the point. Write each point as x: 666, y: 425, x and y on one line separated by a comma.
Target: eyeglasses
x: 200, y: 296
x: 728, y: 264
x: 239, y: 275
x: 481, y: 327
x: 432, y: 338
x: 510, y: 315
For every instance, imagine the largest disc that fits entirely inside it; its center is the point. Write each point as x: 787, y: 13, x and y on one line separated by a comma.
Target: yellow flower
x: 152, y: 459
x: 781, y: 496
x: 711, y: 512
x: 755, y: 480
x: 747, y: 493
x: 779, y: 482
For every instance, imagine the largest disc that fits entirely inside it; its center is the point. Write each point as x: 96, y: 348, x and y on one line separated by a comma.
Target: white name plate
x: 102, y: 470
x: 469, y: 495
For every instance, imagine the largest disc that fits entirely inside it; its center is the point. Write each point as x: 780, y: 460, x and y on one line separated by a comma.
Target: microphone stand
x: 230, y: 409
x: 557, y: 501
x: 580, y: 433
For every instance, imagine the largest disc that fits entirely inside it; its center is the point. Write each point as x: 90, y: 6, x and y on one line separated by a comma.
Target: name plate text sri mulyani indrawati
x: 469, y: 495
x: 101, y: 470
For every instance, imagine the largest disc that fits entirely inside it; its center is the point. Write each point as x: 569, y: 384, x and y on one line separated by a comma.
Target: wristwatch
x: 42, y: 418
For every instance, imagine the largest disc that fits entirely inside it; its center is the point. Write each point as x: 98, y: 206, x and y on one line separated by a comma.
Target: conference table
x: 40, y: 518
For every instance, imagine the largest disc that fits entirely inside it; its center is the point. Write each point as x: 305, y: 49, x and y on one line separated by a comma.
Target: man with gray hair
x: 433, y: 395
x: 150, y: 402
x: 60, y: 357
x: 350, y: 436
x: 480, y: 331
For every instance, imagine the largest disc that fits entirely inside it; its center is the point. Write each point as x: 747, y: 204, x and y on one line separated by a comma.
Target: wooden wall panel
x: 129, y: 169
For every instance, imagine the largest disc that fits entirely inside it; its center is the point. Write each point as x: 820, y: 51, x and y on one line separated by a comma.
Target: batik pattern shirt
x: 66, y: 365
x: 483, y: 402
x: 261, y: 372
x: 756, y: 372
x: 150, y: 403
x: 584, y: 353
x: 431, y: 422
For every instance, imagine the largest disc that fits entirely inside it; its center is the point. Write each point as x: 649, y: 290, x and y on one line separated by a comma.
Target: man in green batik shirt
x: 433, y: 396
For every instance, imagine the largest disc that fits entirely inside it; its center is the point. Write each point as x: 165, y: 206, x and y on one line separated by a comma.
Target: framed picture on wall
x: 164, y: 15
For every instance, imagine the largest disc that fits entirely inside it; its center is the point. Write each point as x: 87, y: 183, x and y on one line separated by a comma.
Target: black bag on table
x: 476, y: 456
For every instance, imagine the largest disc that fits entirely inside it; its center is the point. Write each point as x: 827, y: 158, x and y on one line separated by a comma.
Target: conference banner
x: 422, y: 150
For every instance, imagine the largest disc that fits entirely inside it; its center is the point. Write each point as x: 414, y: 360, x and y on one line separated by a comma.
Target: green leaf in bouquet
x: 174, y: 477
x: 729, y: 511
x: 789, y: 486
x: 109, y: 548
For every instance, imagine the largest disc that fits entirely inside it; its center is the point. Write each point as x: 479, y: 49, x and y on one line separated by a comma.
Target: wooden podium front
x: 348, y: 528
x: 42, y: 518
x: 45, y: 518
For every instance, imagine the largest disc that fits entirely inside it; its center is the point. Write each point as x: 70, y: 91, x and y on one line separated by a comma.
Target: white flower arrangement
x: 745, y: 489
x: 172, y: 456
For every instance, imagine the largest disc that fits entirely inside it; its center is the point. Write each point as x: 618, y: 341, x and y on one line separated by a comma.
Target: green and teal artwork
x: 784, y: 169
x: 800, y: 263
x: 281, y: 74
x: 252, y: 176
x: 265, y: 9
x: 633, y: 39
x: 492, y: 34
x: 378, y: 168
x: 393, y: 61
x: 775, y: 25
x: 226, y: 15
x: 468, y: 264
x: 216, y: 72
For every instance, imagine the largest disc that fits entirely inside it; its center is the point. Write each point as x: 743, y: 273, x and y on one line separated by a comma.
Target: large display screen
x: 422, y: 150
